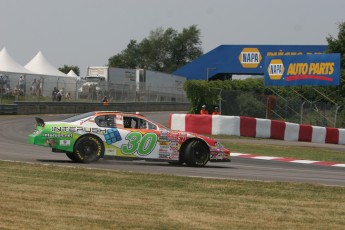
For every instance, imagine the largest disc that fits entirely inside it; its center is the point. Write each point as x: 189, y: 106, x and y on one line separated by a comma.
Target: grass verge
x: 317, y: 153
x: 52, y: 197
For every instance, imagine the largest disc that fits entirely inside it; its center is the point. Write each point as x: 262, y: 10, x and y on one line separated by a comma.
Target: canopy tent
x: 9, y: 65
x: 71, y: 73
x: 40, y: 65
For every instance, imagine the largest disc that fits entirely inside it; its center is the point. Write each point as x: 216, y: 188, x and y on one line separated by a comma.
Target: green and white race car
x: 90, y: 136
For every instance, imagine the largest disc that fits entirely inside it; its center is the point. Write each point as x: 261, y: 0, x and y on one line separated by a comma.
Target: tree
x: 66, y: 68
x: 163, y: 50
x: 337, y: 45
x: 128, y: 58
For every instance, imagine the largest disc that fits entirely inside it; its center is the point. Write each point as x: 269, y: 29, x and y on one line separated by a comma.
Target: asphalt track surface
x: 13, y: 147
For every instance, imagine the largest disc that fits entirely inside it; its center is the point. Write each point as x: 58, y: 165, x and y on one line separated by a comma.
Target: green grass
x: 317, y: 153
x: 52, y: 197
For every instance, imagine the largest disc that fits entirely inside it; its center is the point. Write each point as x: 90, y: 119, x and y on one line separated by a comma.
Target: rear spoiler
x: 39, y: 122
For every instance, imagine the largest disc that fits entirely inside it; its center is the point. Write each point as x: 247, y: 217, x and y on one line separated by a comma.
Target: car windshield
x: 79, y: 117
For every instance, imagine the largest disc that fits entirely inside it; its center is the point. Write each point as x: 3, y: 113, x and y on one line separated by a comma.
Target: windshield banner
x: 308, y: 70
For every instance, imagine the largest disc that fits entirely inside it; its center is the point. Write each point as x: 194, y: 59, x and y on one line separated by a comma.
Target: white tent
x: 40, y: 65
x: 71, y: 73
x: 9, y: 65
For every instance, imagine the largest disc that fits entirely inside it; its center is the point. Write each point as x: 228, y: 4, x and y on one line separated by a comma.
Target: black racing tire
x: 71, y: 156
x: 196, y: 153
x: 175, y: 163
x: 88, y: 149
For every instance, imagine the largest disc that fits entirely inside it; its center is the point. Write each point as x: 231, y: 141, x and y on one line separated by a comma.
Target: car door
x: 135, y: 137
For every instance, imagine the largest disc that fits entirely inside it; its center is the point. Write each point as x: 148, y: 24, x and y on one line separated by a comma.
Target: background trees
x: 337, y: 45
x: 66, y: 68
x: 163, y: 50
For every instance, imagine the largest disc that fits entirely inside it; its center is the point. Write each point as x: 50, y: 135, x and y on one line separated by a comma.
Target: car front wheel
x: 196, y: 153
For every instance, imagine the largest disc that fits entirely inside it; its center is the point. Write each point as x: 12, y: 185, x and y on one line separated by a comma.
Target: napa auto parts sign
x: 241, y: 59
x: 299, y: 70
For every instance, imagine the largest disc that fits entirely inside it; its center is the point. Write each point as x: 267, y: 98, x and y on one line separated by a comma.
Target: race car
x: 90, y: 136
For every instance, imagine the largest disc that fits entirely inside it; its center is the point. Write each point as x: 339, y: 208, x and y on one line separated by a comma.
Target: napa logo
x: 250, y: 58
x: 276, y: 69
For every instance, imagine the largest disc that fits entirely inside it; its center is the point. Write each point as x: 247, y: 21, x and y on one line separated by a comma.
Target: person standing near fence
x: 59, y: 95
x: 203, y: 110
x: 33, y: 87
x: 38, y: 89
x: 21, y: 84
x: 105, y: 101
x: 216, y: 111
x: 54, y: 94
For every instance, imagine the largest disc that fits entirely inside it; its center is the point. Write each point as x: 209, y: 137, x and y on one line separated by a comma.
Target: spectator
x: 7, y: 81
x: 68, y: 96
x: 59, y: 95
x: 54, y: 94
x: 38, y: 89
x: 33, y: 87
x: 216, y: 111
x: 21, y: 83
x: 203, y: 110
x: 105, y: 101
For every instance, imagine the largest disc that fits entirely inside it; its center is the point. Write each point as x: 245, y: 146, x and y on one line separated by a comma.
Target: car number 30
x: 142, y: 144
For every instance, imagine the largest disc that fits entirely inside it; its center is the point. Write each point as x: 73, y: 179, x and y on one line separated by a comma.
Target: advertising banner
x: 241, y: 59
x: 299, y: 70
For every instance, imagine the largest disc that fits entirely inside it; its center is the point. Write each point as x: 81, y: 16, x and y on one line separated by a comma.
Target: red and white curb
x: 286, y: 159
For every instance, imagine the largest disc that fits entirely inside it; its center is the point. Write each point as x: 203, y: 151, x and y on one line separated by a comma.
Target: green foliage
x: 201, y: 92
x: 250, y: 106
x: 128, y: 58
x: 66, y: 68
x: 163, y: 50
x: 337, y: 45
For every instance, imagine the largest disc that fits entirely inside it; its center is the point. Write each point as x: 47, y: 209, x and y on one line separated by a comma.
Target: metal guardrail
x: 39, y: 107
x: 8, y: 109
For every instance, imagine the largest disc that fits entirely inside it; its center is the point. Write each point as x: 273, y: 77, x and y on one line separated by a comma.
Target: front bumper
x: 220, y: 160
x: 220, y: 155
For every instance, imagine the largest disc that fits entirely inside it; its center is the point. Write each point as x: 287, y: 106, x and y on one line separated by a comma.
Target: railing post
x: 302, y: 111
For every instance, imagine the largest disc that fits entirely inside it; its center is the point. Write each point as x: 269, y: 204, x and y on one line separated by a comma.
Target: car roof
x: 118, y: 113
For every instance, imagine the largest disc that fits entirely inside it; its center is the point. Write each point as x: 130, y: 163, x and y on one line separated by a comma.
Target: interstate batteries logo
x: 250, y: 58
x: 301, y: 71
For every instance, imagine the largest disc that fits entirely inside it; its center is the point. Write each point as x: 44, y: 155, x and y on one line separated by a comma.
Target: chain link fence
x: 290, y: 108
x: 42, y: 89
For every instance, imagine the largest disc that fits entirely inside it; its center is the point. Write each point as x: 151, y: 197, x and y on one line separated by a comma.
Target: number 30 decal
x: 143, y: 145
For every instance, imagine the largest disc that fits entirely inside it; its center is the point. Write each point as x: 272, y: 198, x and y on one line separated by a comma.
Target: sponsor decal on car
x: 139, y: 143
x: 73, y: 129
x: 65, y: 142
x: 56, y: 135
x: 112, y: 136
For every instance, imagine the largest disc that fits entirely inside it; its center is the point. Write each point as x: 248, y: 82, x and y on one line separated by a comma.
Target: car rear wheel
x: 175, y: 163
x: 196, y: 153
x: 71, y: 156
x: 88, y: 149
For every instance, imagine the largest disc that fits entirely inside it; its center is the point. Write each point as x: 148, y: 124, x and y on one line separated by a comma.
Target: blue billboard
x: 241, y: 59
x: 306, y: 70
